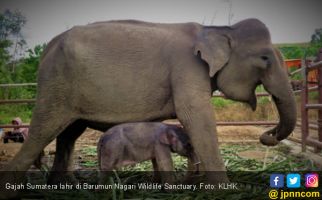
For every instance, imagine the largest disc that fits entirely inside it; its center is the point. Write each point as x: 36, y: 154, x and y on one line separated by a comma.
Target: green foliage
x: 280, y: 159
x: 220, y: 102
x: 29, y: 66
x: 25, y: 68
x: 8, y: 112
x: 12, y: 42
x: 11, y: 23
x: 4, y: 54
x: 316, y: 39
x: 264, y: 100
x: 260, y: 88
x: 26, y: 72
x: 11, y: 38
x: 90, y: 151
x: 293, y: 51
x: 89, y: 163
x: 300, y: 51
x: 14, y: 69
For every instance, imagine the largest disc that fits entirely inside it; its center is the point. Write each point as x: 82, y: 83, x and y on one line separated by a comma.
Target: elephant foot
x: 213, y: 178
x: 156, y: 178
x: 194, y: 178
x: 62, y: 178
x: 167, y: 177
x: 216, y: 177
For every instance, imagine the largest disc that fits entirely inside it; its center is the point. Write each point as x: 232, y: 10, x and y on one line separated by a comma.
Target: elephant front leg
x: 156, y: 172
x: 193, y: 174
x: 104, y: 176
x: 196, y: 114
x: 164, y: 164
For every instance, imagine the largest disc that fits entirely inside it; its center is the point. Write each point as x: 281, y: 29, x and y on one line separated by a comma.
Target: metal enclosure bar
x: 306, y: 106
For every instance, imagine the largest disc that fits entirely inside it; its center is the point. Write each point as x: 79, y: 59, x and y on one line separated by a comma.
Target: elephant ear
x: 168, y: 138
x: 214, y: 49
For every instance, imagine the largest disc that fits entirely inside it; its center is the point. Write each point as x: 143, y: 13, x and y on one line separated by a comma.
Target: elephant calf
x: 132, y: 143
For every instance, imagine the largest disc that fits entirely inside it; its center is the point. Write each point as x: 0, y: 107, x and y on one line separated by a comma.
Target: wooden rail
x: 296, y: 71
x: 314, y: 65
x: 17, y: 84
x: 16, y: 101
x: 14, y: 126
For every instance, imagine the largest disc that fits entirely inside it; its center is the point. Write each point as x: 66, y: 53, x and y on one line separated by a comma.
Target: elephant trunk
x: 287, y: 114
x: 280, y: 89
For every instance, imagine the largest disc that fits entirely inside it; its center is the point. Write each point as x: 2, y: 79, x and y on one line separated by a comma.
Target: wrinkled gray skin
x: 132, y: 143
x: 107, y: 73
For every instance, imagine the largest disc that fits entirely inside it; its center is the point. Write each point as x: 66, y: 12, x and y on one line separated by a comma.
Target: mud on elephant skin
x: 107, y: 73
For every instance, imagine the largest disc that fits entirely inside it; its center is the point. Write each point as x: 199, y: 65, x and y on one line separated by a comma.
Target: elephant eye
x: 188, y: 146
x: 265, y: 58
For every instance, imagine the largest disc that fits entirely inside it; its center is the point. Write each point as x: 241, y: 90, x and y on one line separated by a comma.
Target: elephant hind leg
x: 106, y: 166
x: 63, y: 166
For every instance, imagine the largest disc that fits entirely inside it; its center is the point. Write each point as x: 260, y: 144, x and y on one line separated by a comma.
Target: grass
x: 89, y: 151
x: 8, y: 112
x: 89, y: 163
x: 221, y: 102
x: 281, y: 161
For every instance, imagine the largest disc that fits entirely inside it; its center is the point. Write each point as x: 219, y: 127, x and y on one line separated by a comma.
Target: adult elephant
x: 107, y: 73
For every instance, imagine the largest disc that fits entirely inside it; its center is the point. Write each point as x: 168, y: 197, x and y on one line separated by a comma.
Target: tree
x: 301, y: 51
x: 316, y: 43
x: 316, y: 38
x: 11, y: 38
x: 11, y: 42
x: 11, y: 24
x: 28, y: 67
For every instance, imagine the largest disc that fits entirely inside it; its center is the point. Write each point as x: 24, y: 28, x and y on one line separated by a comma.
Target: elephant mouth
x: 252, y: 102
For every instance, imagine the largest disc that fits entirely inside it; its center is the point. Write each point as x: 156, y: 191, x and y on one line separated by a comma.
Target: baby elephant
x: 132, y: 143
